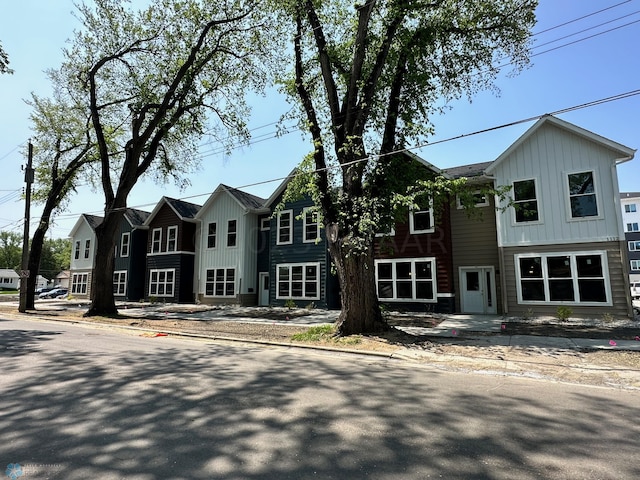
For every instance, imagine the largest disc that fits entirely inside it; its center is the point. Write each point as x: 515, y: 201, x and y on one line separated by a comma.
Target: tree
x: 151, y: 80
x: 63, y: 147
x: 10, y: 250
x: 4, y: 61
x: 56, y: 257
x: 367, y: 78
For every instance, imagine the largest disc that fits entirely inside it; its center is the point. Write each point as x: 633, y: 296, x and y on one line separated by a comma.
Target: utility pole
x: 24, y: 268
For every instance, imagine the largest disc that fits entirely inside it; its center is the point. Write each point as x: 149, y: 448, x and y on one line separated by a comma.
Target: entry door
x: 478, y: 286
x: 264, y: 288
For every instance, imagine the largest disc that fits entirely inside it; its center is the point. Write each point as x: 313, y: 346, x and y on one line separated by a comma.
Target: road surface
x: 89, y: 403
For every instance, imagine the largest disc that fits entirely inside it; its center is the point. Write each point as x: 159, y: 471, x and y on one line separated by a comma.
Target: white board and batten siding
x: 81, y: 233
x: 242, y: 257
x: 548, y: 156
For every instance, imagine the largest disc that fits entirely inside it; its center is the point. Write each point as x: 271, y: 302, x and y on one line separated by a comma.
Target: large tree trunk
x: 356, y: 272
x: 103, y: 302
x: 35, y: 255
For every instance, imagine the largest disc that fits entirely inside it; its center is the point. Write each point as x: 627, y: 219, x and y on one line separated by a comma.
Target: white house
x: 562, y: 240
x: 83, y: 245
x: 9, y: 279
x: 228, y: 236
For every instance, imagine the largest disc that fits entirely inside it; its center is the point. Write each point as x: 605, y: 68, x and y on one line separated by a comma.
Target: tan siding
x: 618, y: 283
x: 474, y: 243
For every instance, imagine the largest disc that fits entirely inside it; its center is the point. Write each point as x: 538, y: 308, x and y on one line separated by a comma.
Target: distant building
x: 630, y: 205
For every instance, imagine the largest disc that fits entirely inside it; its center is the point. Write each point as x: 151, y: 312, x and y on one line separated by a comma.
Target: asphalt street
x: 78, y: 402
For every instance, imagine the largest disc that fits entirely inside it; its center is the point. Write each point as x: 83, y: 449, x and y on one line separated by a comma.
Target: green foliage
x: 607, y: 317
x: 56, y: 257
x: 10, y: 250
x: 314, y: 334
x: 563, y: 313
x: 290, y: 304
x: 4, y: 61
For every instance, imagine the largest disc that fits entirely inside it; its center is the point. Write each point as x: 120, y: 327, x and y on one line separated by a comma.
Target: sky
x: 583, y: 51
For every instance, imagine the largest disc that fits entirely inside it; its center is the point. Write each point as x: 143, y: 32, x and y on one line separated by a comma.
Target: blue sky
x: 33, y: 32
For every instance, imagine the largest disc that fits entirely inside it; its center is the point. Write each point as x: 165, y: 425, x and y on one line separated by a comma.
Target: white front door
x: 478, y: 290
x: 264, y: 289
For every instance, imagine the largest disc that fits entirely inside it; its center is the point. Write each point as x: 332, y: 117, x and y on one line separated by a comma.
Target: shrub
x: 563, y: 312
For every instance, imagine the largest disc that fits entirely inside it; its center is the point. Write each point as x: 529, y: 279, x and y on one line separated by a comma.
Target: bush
x: 563, y: 313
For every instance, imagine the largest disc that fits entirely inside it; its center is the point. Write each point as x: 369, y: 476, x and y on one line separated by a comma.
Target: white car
x: 635, y: 289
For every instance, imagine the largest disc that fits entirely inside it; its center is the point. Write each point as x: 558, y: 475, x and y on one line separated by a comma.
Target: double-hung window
x: 79, y: 283
x: 311, y: 225
x: 285, y: 227
x: 211, y: 234
x: 124, y: 244
x: 87, y: 248
x: 120, y: 282
x: 161, y: 283
x: 77, y: 251
x: 582, y: 195
x: 172, y: 239
x: 577, y: 278
x: 421, y: 221
x: 406, y: 279
x: 525, y: 201
x: 156, y: 240
x: 232, y: 233
x: 220, y: 282
x: 298, y: 281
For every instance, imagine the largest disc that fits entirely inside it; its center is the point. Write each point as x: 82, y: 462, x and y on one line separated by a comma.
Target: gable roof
x: 136, y: 218
x: 8, y: 273
x: 468, y: 171
x: 625, y: 153
x: 185, y: 211
x: 92, y: 220
x: 246, y: 201
x: 281, y: 188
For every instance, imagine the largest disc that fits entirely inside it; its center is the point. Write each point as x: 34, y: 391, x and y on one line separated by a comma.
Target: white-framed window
x: 76, y: 255
x: 87, y: 248
x: 285, y: 227
x: 265, y: 224
x: 232, y: 233
x: 634, y: 246
x: 79, y: 282
x: 310, y: 225
x: 635, y: 264
x: 161, y: 282
x: 406, y: 279
x: 120, y: 283
x: 632, y: 227
x: 212, y: 231
x: 479, y: 200
x: 220, y: 282
x: 421, y: 221
x: 390, y: 233
x: 172, y: 239
x: 156, y: 240
x: 630, y: 208
x: 298, y: 281
x: 525, y: 201
x: 125, y: 242
x: 583, y: 201
x: 560, y: 278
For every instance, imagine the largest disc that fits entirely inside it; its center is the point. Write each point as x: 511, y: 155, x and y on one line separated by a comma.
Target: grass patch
x: 325, y: 334
x: 9, y: 292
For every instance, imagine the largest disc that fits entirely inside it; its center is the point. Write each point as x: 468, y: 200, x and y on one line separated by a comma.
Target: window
x: 563, y: 278
x: 87, y: 248
x: 124, y: 244
x: 172, y: 239
x: 630, y: 208
x: 634, y: 246
x: 220, y: 282
x: 582, y: 195
x: 265, y: 223
x: 635, y: 264
x: 120, y: 283
x: 156, y: 239
x: 161, y: 283
x: 311, y: 226
x: 421, y: 221
x: 232, y: 227
x: 79, y: 282
x: 407, y: 279
x: 478, y: 198
x: 298, y: 281
x: 211, y: 235
x: 525, y: 201
x: 632, y: 227
x: 285, y: 227
x: 77, y: 253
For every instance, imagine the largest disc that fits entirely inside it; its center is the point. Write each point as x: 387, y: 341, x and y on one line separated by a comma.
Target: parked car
x: 42, y: 290
x: 635, y: 289
x: 55, y: 293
